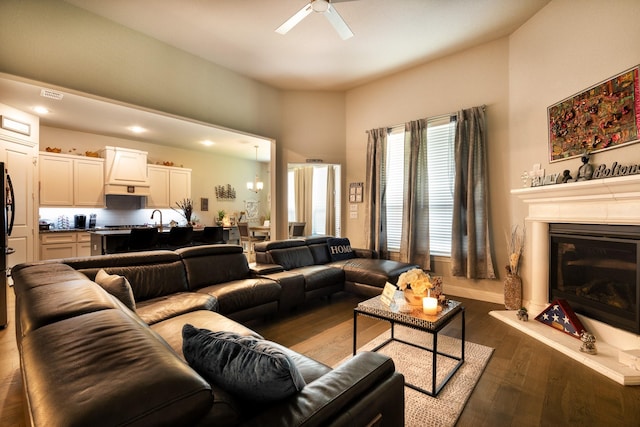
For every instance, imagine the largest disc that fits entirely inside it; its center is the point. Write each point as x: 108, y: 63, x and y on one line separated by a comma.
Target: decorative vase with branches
x: 513, y: 281
x: 185, y: 208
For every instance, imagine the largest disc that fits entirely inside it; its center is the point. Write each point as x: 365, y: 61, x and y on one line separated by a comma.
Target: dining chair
x: 296, y: 229
x: 246, y: 237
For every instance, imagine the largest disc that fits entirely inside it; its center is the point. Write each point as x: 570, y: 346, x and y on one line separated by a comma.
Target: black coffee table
x: 415, y: 319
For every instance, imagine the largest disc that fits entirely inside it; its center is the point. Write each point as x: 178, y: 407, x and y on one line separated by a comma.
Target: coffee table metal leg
x: 463, y: 342
x: 355, y: 331
x: 435, y: 358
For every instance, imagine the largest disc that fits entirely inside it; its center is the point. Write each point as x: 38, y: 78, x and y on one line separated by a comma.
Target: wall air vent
x: 53, y: 94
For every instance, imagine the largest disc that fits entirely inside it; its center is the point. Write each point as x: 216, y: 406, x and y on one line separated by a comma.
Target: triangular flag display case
x: 559, y: 315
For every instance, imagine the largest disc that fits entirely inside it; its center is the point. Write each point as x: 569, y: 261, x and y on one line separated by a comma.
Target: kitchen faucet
x: 160, y: 212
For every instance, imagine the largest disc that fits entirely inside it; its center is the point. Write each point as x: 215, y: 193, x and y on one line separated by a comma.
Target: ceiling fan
x: 319, y: 6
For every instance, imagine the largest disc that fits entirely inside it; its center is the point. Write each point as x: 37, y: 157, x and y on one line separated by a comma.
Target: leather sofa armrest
x: 336, y: 392
x: 262, y: 269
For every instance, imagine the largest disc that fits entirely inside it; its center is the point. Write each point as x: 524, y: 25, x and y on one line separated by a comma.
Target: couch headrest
x: 317, y: 240
x: 126, y: 259
x: 278, y: 244
x: 205, y: 250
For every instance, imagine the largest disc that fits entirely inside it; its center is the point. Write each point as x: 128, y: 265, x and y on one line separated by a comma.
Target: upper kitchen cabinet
x: 67, y: 180
x: 125, y: 171
x: 168, y: 185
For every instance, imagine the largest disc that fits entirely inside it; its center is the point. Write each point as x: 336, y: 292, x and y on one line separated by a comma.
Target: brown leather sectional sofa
x: 88, y: 359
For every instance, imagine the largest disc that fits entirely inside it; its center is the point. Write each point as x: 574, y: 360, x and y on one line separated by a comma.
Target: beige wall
x: 313, y: 127
x: 475, y: 77
x: 551, y: 57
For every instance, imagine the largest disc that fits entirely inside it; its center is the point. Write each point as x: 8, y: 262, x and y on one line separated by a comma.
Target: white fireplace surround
x: 598, y: 201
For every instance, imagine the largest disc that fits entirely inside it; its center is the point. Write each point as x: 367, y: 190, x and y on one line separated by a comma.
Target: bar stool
x: 142, y: 238
x: 212, y: 235
x: 180, y: 237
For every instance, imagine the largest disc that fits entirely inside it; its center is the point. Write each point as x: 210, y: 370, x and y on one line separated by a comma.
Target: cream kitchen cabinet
x: 63, y: 244
x: 167, y: 185
x: 67, y: 180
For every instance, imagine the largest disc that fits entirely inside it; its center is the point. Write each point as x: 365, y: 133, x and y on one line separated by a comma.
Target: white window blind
x: 394, y: 172
x: 440, y: 141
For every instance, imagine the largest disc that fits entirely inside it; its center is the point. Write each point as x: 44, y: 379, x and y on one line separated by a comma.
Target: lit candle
x: 430, y: 305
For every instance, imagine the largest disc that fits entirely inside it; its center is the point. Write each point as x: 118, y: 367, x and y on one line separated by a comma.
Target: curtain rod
x: 426, y: 118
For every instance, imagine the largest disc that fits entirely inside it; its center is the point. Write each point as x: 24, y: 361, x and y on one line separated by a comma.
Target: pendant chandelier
x: 256, y: 185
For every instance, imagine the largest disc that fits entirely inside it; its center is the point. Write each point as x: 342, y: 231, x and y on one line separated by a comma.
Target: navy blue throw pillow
x: 242, y: 365
x: 340, y: 249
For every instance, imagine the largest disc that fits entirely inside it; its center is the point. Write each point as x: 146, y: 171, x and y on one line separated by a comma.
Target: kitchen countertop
x: 67, y: 230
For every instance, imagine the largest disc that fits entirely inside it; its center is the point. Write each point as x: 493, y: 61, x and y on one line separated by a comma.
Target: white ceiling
x: 390, y: 35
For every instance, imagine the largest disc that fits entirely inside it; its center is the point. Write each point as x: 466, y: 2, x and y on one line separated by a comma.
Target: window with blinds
x: 440, y: 146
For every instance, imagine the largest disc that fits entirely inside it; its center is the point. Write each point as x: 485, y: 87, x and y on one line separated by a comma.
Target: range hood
x: 125, y: 172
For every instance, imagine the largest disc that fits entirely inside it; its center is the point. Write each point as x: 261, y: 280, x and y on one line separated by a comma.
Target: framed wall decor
x: 604, y: 116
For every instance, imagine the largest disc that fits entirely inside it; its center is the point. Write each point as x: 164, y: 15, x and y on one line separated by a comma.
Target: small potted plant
x: 221, y: 214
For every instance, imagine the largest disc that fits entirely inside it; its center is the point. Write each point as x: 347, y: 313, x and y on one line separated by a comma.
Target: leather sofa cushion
x: 105, y: 369
x: 374, y: 272
x: 248, y: 367
x: 239, y: 295
x: 171, y: 329
x: 291, y: 258
x: 212, y: 264
x: 33, y: 275
x: 38, y: 306
x: 118, y: 286
x: 320, y: 253
x: 151, y: 273
x: 158, y: 309
x: 320, y: 276
x: 149, y: 280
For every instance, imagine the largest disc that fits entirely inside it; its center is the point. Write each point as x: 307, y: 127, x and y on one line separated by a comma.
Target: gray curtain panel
x: 414, y: 245
x: 303, y: 188
x: 375, y: 206
x: 471, y: 251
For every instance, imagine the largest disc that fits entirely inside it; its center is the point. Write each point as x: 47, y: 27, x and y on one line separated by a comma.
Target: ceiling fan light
x: 320, y: 6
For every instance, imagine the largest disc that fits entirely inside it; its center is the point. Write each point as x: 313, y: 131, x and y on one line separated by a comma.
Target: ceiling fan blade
x: 294, y: 20
x: 338, y: 23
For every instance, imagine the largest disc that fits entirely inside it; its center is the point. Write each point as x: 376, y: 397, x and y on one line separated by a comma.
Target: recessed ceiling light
x: 137, y: 129
x: 207, y: 143
x: 41, y: 110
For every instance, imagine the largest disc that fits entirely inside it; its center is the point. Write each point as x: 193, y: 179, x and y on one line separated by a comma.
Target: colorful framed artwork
x: 602, y: 117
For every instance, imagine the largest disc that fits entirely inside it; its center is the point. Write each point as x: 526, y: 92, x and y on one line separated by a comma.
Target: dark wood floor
x: 526, y: 383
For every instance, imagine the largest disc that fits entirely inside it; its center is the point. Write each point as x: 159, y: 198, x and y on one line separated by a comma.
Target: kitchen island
x: 111, y: 241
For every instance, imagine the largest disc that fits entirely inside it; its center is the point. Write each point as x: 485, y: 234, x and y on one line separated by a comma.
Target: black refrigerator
x: 6, y: 219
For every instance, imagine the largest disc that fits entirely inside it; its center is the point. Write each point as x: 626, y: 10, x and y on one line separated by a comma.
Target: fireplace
x: 583, y: 209
x: 595, y: 268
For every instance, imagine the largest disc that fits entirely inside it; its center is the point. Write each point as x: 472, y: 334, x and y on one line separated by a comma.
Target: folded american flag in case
x: 559, y: 315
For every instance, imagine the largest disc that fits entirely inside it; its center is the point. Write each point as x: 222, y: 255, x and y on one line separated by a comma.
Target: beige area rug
x: 415, y: 365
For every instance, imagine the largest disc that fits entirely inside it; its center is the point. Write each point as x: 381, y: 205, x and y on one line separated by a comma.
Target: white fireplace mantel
x: 598, y: 201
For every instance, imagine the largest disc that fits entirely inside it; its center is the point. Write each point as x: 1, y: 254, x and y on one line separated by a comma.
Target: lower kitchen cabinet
x: 63, y: 244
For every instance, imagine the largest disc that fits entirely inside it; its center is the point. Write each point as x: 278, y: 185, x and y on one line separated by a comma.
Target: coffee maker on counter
x: 80, y: 221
